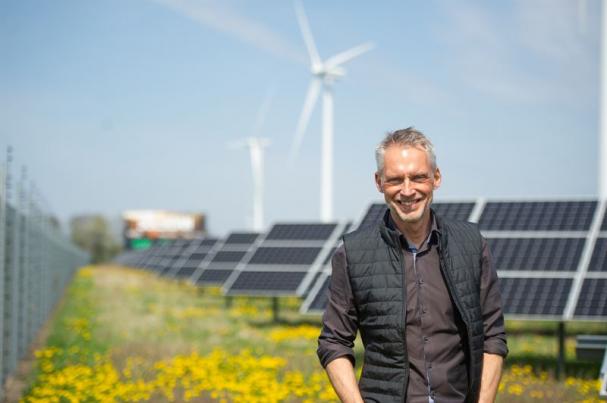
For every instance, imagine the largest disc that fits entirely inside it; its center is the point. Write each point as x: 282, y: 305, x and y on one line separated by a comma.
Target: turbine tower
x: 324, y: 73
x: 256, y: 145
x: 603, y: 107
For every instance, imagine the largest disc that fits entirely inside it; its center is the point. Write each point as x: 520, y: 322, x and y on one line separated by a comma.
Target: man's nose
x: 406, y: 188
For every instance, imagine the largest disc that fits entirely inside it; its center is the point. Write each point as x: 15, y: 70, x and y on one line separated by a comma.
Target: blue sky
x: 126, y: 104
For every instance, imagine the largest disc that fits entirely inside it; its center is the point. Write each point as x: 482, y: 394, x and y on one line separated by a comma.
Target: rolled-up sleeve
x: 491, y: 302
x: 339, y: 322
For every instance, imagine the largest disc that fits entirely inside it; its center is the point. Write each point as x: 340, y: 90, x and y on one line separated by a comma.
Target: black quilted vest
x: 375, y: 265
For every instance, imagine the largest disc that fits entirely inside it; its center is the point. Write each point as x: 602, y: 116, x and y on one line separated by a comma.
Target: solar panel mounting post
x: 560, y: 366
x: 275, y: 309
x: 603, y: 378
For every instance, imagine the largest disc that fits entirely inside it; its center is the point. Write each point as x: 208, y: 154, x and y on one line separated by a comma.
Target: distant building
x: 144, y: 227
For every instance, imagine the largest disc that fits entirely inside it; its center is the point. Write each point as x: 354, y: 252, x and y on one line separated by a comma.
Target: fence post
x: 11, y: 279
x: 2, y: 270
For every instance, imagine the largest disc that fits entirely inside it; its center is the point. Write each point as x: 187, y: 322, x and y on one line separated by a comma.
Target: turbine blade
x: 263, y: 112
x: 307, y: 33
x: 304, y: 117
x: 348, y: 55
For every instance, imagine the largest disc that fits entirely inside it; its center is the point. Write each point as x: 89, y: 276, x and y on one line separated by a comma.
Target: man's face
x: 408, y: 182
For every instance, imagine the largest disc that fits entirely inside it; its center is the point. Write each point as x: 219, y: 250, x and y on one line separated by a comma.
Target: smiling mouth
x: 408, y: 204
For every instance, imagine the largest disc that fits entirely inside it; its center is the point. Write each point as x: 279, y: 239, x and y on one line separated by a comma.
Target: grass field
x: 127, y: 335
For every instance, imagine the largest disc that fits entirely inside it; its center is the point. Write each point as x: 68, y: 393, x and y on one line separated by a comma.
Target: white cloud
x: 217, y: 15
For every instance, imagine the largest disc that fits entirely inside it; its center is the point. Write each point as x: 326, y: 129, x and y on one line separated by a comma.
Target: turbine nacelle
x: 328, y: 73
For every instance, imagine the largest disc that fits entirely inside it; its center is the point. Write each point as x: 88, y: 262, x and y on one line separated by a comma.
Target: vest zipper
x: 404, y: 324
x: 419, y: 298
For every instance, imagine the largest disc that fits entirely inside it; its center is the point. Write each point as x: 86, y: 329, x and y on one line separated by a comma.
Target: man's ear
x: 378, y: 182
x: 437, y: 178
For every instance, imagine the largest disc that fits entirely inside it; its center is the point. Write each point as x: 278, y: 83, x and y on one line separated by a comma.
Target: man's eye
x: 393, y: 182
x: 420, y: 178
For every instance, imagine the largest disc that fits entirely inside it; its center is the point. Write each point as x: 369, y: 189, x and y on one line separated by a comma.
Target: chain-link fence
x: 36, y: 263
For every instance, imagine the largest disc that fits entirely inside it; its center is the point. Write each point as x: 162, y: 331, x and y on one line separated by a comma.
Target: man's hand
x: 341, y: 375
x: 490, y: 379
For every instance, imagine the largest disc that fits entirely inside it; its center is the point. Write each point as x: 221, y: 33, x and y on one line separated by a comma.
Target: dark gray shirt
x: 435, y: 334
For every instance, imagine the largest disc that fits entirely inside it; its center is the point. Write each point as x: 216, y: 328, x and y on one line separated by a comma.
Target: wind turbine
x: 324, y: 73
x: 256, y: 145
x: 603, y: 107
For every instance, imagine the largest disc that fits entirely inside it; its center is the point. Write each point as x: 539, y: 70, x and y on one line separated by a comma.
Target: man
x: 420, y: 289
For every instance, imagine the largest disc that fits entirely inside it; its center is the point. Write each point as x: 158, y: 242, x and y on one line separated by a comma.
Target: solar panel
x: 538, y: 216
x: 536, y: 254
x: 286, y: 261
x: 225, y: 258
x: 185, y: 272
x: 592, y: 301
x: 314, y: 299
x: 285, y: 256
x: 241, y: 238
x: 265, y: 281
x: 535, y: 296
x: 192, y: 257
x: 329, y: 256
x: 300, y: 232
x: 453, y: 210
x: 320, y: 299
x: 192, y: 263
x: 228, y: 256
x: 374, y: 213
x: 213, y: 276
x: 598, y: 262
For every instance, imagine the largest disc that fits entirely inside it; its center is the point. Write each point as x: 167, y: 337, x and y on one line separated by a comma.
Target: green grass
x: 136, y: 321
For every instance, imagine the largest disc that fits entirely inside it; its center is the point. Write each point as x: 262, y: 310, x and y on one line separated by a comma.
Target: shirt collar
x: 431, y: 239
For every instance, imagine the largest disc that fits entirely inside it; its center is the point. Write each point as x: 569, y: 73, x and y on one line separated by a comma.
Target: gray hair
x: 408, y: 137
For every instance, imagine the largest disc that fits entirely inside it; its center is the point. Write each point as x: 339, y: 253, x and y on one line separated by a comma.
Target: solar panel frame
x: 522, y: 297
x: 583, y: 272
x: 592, y: 303
x: 241, y: 238
x: 305, y: 232
x: 208, y: 272
x: 536, y: 254
x: 308, y: 237
x: 545, y: 215
x: 193, y: 257
x: 598, y: 261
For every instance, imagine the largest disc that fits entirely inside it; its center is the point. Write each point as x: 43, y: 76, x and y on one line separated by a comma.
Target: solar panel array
x: 218, y: 267
x: 192, y: 258
x: 551, y: 256
x: 285, y: 261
